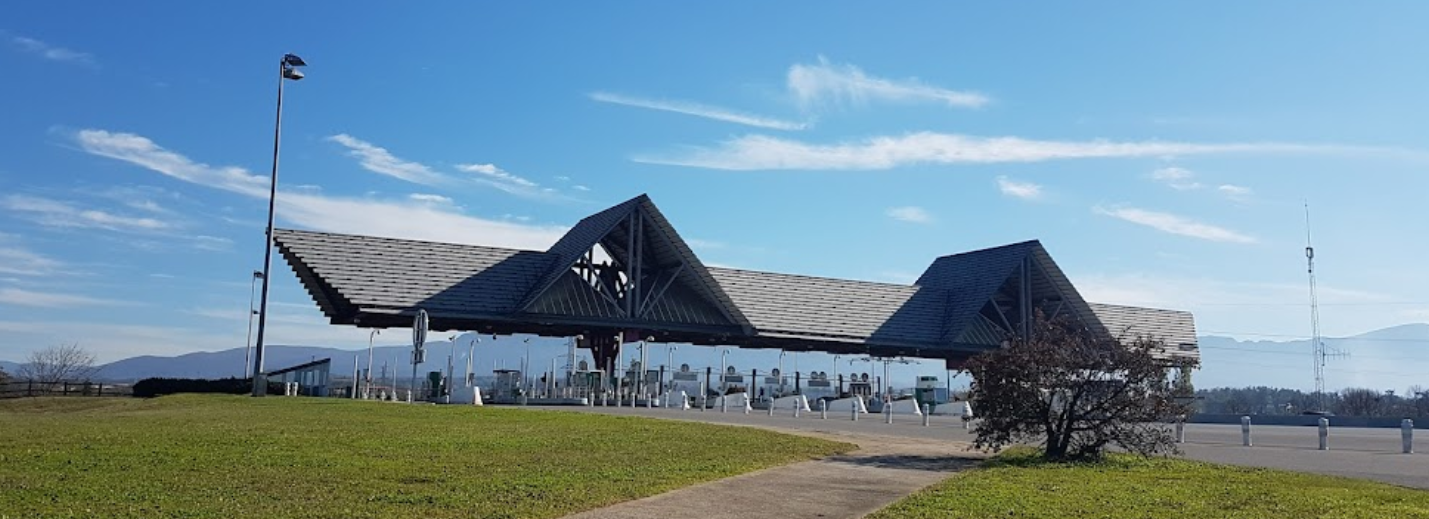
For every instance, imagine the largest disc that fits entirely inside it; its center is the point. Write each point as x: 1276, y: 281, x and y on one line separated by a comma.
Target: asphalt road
x: 1354, y: 452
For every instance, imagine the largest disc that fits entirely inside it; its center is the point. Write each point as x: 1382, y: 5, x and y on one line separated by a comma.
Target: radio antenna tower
x: 1316, y: 340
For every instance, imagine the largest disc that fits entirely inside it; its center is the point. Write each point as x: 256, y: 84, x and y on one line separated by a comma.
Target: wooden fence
x: 32, y: 388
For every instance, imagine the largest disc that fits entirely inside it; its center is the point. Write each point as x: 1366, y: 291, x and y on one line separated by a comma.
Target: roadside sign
x: 419, y: 330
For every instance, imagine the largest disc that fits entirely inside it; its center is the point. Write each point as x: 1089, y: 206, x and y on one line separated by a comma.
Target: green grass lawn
x: 232, y: 456
x: 1018, y: 484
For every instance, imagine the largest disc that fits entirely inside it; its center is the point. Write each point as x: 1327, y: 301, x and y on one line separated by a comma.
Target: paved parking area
x: 1354, y: 452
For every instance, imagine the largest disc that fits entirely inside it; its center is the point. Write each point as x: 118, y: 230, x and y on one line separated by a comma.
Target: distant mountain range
x: 1391, y: 358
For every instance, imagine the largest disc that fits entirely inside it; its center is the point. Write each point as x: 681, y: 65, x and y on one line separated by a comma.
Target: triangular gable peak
x: 997, y: 292
x: 629, y: 263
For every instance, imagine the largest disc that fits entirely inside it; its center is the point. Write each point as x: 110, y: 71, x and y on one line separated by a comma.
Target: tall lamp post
x: 287, y: 69
x: 248, y: 343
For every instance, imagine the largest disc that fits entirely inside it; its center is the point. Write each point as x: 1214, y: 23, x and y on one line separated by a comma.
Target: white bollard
x: 476, y: 396
x: 724, y: 404
x: 667, y: 400
x: 684, y: 401
x: 823, y: 409
x: 927, y: 410
x: 1324, y: 433
x: 1181, y: 430
x: 888, y: 410
x: 1245, y: 431
x: 1406, y: 433
x: 796, y: 409
x: 649, y: 403
x: 771, y: 407
x: 855, y: 412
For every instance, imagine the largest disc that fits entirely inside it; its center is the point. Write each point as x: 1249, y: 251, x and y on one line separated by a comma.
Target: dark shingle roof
x: 581, y: 238
x: 368, y: 272
x: 352, y: 277
x: 1127, y: 323
x: 793, y: 305
x: 972, y: 278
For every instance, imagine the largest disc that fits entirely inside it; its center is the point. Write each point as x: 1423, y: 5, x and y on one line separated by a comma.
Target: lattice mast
x: 1316, y: 343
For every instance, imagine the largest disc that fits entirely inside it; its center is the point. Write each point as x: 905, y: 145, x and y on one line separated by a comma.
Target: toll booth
x: 508, y: 384
x: 860, y: 385
x: 685, y: 380
x: 731, y: 382
x: 819, y: 386
x: 928, y: 392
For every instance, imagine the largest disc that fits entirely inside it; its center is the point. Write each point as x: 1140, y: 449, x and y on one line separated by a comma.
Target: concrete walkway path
x: 883, y: 470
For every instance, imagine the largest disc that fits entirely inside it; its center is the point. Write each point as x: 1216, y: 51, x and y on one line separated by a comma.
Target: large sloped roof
x: 960, y: 305
x: 1176, y: 329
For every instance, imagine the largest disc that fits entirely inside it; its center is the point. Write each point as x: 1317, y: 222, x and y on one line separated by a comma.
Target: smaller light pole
x: 723, y: 365
x: 248, y: 343
x: 669, y: 365
x: 367, y: 386
x: 526, y: 366
x: 470, y: 355
x: 781, y: 370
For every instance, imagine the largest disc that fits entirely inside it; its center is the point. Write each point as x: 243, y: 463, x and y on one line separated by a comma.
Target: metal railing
x: 36, y: 388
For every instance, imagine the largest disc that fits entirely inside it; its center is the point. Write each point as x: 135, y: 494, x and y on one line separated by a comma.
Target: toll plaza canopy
x: 625, y: 270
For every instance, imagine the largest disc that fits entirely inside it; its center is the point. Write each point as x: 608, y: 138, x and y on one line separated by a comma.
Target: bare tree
x: 1360, y: 402
x: 59, y: 363
x: 1419, y: 402
x: 1077, y: 391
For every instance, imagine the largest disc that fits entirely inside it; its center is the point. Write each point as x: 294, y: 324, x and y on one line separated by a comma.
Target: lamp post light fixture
x: 723, y: 365
x: 526, y: 367
x: 248, y: 342
x: 669, y: 366
x: 287, y: 69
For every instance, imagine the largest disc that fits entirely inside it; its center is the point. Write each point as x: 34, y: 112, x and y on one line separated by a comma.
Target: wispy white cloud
x: 378, y: 160
x: 1019, y: 189
x: 21, y: 297
x: 55, y: 213
x: 212, y: 243
x: 52, y: 52
x: 429, y: 198
x: 1173, y: 224
x: 910, y: 213
x: 826, y: 82
x: 579, y: 187
x: 390, y: 218
x: 141, y: 151
x: 498, y: 174
x: 1234, y: 192
x: 1180, y: 179
x: 699, y: 110
x: 762, y: 152
x: 20, y: 261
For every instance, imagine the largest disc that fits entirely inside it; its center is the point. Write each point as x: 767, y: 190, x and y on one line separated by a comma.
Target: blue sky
x: 1161, y: 152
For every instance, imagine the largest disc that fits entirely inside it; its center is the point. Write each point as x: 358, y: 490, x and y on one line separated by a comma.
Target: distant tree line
x: 1347, y: 402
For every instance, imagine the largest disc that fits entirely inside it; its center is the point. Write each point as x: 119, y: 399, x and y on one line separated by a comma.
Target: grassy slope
x: 221, y: 456
x: 1019, y: 485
